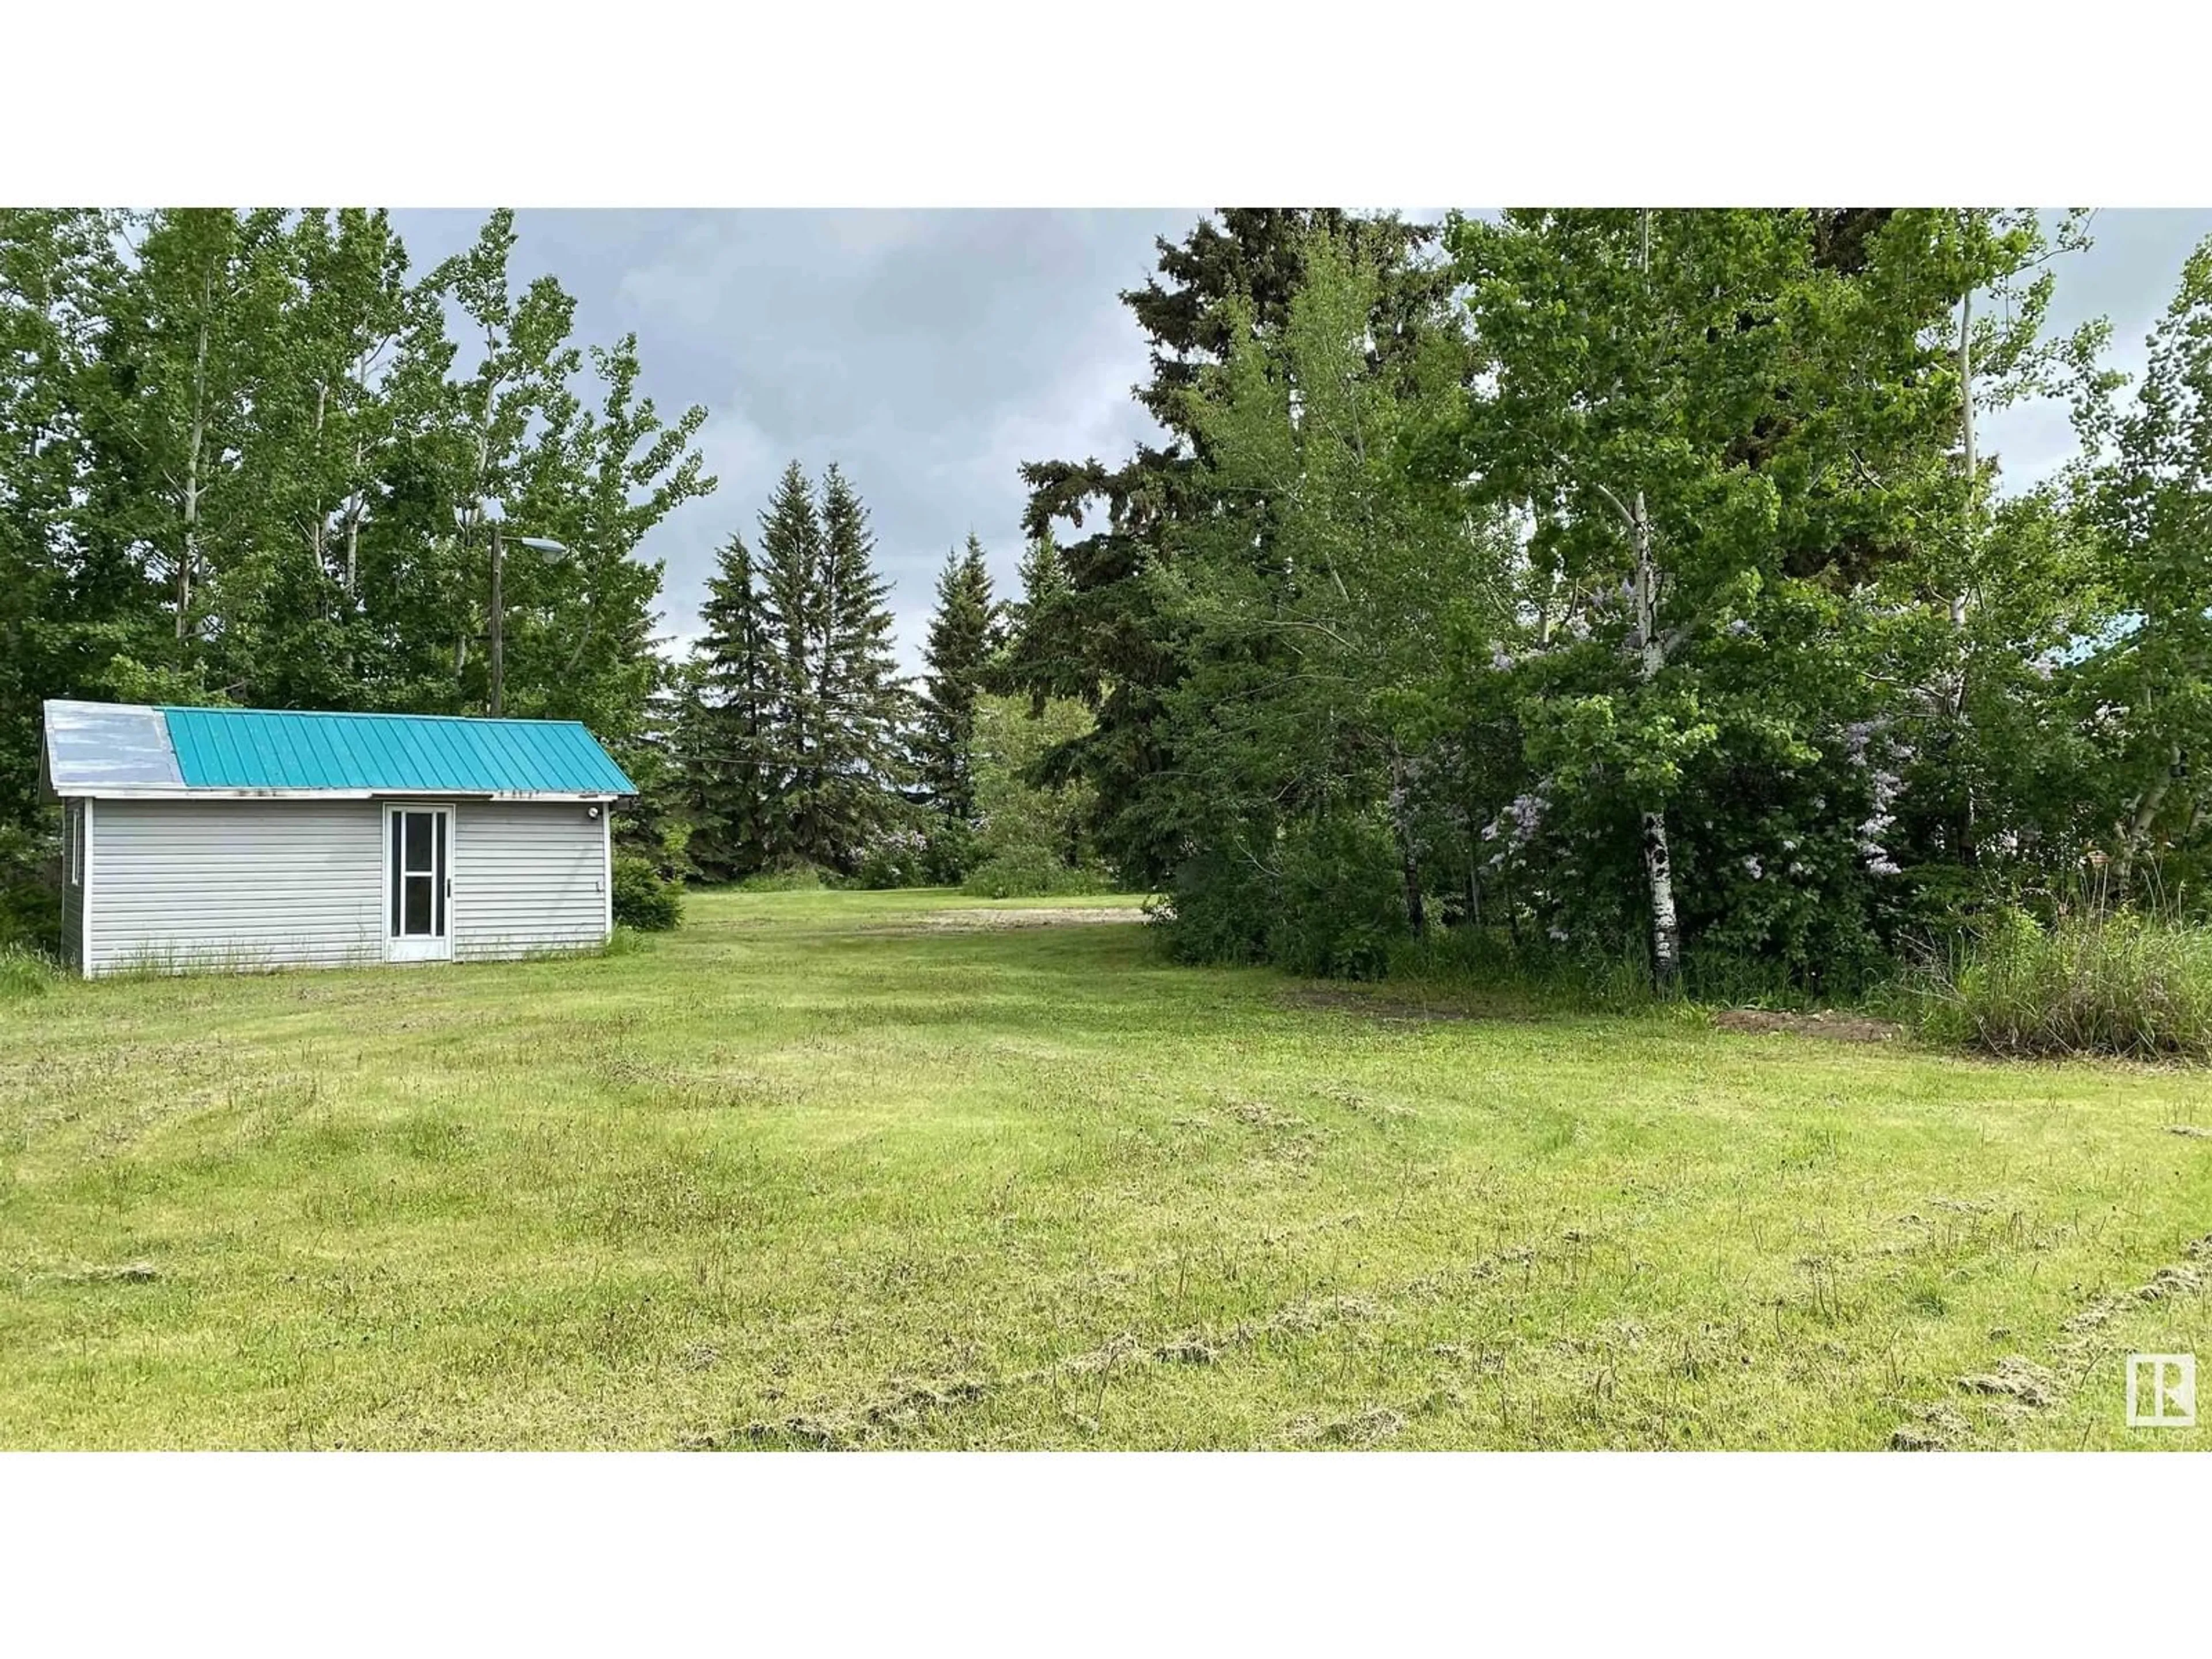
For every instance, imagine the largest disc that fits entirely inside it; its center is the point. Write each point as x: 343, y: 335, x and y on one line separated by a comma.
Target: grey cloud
x: 928, y: 354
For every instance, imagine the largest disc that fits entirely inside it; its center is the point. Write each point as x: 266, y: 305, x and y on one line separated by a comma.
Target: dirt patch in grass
x: 1042, y: 916
x: 1843, y: 1027
x: 2016, y: 1378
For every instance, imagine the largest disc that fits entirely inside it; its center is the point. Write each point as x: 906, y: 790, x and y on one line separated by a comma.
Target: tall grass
x: 2124, y: 983
x: 1484, y: 967
x: 25, y: 972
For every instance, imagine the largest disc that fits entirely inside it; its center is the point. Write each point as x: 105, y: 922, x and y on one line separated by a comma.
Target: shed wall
x: 528, y: 876
x: 255, y: 884
x: 247, y: 885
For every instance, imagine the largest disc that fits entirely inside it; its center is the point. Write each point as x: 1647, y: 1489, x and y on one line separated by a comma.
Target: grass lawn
x: 851, y: 1169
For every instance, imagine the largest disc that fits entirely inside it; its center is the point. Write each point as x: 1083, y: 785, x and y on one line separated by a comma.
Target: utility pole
x: 545, y: 547
x: 498, y: 632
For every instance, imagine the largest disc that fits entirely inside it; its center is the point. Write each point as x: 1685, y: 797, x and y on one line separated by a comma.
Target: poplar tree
x: 1238, y: 269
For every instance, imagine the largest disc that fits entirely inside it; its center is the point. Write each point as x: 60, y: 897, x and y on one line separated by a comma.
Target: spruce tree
x: 725, y: 731
x: 962, y: 636
x: 793, y: 597
x: 1037, y: 650
x: 859, y: 696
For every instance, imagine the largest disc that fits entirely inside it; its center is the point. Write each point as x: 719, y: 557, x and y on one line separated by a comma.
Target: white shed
x: 251, y: 839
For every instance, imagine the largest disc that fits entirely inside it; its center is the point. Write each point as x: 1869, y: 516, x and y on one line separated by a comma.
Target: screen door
x: 417, y: 840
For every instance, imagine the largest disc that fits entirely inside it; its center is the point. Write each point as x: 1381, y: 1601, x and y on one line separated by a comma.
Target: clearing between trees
x: 822, y: 1170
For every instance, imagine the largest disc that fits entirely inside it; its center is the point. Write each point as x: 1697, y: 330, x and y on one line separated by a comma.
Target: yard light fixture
x: 546, y: 548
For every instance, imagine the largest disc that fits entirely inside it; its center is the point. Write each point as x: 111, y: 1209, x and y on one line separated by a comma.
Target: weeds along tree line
x: 1610, y: 587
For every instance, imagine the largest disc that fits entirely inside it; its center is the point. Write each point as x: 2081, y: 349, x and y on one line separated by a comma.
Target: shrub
x: 30, y: 889
x: 1331, y: 907
x: 2125, y: 984
x: 1026, y: 872
x: 950, y: 851
x: 643, y: 899
x: 897, y: 859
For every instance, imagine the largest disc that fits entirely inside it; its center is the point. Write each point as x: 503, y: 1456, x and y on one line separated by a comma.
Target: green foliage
x: 25, y: 972
x: 241, y: 463
x: 1031, y: 835
x: 963, y: 636
x: 30, y: 896
x: 1648, y: 583
x: 899, y: 859
x: 789, y: 728
x: 1111, y: 636
x: 2145, y: 690
x: 2124, y: 983
x: 1324, y: 902
x: 644, y: 899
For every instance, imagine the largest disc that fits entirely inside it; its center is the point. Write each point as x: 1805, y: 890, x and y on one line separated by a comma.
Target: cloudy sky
x: 931, y: 353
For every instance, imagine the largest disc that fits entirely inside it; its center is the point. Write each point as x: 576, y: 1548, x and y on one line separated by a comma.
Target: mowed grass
x: 839, y: 1169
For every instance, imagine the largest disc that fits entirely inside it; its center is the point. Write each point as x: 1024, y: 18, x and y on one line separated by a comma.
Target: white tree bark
x: 1966, y: 543
x: 1966, y: 436
x: 188, y: 557
x: 1658, y: 866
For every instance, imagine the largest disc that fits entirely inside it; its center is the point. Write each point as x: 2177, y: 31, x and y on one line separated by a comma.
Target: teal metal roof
x: 420, y: 753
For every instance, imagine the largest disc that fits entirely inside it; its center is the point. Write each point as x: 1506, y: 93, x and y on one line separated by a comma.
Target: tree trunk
x: 319, y: 533
x: 1659, y: 873
x: 1658, y: 866
x: 2139, y: 826
x: 1966, y: 442
x: 190, y: 556
x: 1409, y: 858
x: 1965, y: 830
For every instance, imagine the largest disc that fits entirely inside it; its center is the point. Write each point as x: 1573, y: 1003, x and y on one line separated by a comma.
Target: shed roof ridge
x: 346, y: 713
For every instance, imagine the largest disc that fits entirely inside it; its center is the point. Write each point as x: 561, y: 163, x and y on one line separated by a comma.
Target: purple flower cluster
x: 1883, y: 787
x: 1519, y: 823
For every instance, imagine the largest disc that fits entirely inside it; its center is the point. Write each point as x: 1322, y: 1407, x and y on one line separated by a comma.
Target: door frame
x: 433, y: 948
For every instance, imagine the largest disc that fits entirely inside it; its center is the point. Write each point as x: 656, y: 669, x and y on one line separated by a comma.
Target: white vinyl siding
x: 244, y: 884
x: 528, y: 876
x: 252, y: 885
